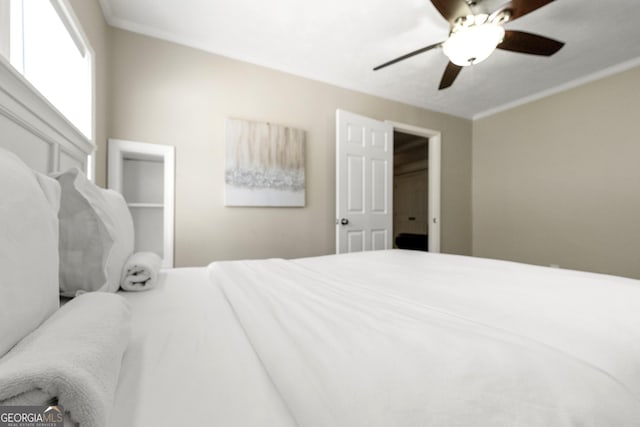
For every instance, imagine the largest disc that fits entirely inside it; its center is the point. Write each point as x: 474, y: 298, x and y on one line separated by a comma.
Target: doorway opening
x: 364, y: 183
x: 410, y: 191
x: 416, y: 136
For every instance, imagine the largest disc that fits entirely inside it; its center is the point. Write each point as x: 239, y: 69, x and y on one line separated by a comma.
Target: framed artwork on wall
x: 265, y: 164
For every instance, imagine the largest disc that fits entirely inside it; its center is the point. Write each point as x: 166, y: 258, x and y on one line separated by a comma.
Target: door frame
x: 434, y: 185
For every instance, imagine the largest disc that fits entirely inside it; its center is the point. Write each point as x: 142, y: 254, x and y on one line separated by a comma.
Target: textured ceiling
x: 340, y: 41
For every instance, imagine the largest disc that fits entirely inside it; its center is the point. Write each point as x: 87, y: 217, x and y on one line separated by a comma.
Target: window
x: 44, y: 43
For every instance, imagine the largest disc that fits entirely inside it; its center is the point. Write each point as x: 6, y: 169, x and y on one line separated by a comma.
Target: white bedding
x: 189, y: 362
x: 383, y: 338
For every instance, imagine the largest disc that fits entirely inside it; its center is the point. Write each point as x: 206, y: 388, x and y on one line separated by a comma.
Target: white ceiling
x: 340, y: 41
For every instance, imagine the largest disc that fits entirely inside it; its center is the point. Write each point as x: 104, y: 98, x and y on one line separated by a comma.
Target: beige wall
x: 554, y: 181
x: 557, y: 181
x: 96, y: 29
x: 168, y: 94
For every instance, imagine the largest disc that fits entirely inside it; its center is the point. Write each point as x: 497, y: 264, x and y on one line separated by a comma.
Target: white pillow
x: 96, y: 235
x: 28, y: 250
x: 51, y: 190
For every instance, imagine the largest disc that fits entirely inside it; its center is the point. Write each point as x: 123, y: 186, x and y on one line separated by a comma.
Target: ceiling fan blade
x: 452, y: 9
x: 449, y: 76
x: 408, y: 55
x: 520, y: 8
x: 533, y: 44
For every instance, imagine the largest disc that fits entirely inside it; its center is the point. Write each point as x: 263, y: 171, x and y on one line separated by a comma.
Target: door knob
x: 344, y: 221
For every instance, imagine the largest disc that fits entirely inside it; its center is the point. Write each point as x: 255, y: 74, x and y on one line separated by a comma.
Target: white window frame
x: 33, y: 101
x: 5, y: 18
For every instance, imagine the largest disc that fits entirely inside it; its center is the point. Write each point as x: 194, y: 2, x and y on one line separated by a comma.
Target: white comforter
x: 189, y: 362
x: 399, y: 338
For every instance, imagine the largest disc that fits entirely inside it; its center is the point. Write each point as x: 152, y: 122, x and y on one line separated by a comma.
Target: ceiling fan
x: 474, y: 36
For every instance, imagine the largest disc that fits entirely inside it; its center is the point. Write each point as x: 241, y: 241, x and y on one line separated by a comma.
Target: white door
x: 364, y: 183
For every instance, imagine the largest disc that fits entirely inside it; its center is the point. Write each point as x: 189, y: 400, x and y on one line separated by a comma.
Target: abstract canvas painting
x: 265, y: 164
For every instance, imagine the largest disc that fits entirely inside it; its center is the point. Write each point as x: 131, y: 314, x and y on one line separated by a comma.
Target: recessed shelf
x: 144, y: 174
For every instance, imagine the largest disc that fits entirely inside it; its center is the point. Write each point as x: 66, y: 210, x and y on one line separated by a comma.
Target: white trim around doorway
x: 434, y: 138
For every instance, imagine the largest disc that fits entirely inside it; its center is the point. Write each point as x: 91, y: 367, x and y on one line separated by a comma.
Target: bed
x: 385, y: 338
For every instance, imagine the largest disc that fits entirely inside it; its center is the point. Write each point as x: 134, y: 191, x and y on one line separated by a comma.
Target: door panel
x: 364, y: 174
x: 379, y: 140
x: 355, y: 184
x: 379, y: 198
x: 379, y: 239
x: 355, y: 241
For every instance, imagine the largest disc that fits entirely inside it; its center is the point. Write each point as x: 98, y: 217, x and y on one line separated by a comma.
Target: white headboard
x: 33, y: 129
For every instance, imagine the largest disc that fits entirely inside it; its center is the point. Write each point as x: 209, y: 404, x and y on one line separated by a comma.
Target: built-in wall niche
x: 144, y: 173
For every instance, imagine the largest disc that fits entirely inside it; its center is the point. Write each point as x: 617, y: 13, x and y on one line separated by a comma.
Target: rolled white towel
x: 73, y: 358
x: 140, y: 272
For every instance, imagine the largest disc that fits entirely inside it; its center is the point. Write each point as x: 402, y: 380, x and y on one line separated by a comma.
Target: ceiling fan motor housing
x: 474, y: 37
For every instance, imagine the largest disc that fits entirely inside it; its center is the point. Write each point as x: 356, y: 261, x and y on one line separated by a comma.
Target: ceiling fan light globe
x: 468, y: 45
